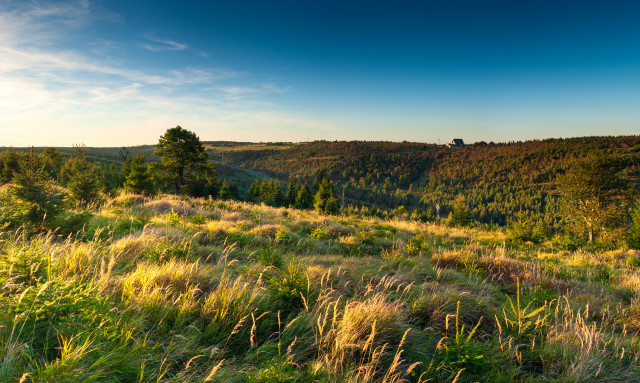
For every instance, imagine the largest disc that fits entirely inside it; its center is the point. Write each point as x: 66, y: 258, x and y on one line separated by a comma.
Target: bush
x: 26, y: 266
x: 459, y: 352
x: 411, y: 249
x: 32, y: 197
x: 461, y: 215
x: 289, y: 288
x: 269, y: 257
x: 319, y: 233
x: 173, y: 218
x: 283, y: 236
x: 82, y: 179
x: 198, y: 219
x: 525, y: 231
x: 70, y: 222
x: 633, y: 237
x: 139, y: 179
x: 568, y: 242
x: 632, y: 260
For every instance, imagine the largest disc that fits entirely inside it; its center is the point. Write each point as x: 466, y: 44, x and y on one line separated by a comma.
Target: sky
x: 114, y: 73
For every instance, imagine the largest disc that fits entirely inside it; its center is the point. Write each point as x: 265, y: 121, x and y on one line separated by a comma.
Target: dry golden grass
x: 266, y: 231
x: 167, y: 204
x: 128, y: 250
x: 175, y: 275
x: 202, y: 307
x: 127, y: 199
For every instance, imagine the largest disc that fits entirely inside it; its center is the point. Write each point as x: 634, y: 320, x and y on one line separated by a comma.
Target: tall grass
x: 209, y: 291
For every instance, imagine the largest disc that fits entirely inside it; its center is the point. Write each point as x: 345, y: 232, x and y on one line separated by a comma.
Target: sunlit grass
x: 171, y: 290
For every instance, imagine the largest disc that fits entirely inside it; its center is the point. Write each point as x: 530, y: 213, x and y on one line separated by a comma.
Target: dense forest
x: 506, y: 184
x: 501, y: 182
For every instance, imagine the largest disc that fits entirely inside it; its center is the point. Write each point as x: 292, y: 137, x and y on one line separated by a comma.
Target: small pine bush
x: 289, y: 288
x: 269, y: 257
x: 32, y: 197
x: 633, y: 237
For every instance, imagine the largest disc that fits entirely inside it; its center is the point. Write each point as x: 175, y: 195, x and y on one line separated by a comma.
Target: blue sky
x: 110, y: 73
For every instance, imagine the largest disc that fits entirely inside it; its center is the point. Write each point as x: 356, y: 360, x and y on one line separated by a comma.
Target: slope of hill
x: 501, y: 182
x: 176, y: 290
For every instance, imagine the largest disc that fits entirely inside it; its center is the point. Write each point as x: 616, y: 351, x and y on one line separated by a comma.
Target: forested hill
x: 402, y: 163
x: 500, y: 181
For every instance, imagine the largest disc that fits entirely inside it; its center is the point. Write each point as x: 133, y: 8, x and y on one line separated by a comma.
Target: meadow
x: 176, y: 289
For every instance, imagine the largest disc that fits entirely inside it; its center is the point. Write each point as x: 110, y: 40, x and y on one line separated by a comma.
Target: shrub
x: 269, y: 257
x: 633, y: 237
x: 198, y: 219
x: 458, y: 351
x: 411, y: 249
x: 521, y: 321
x: 173, y: 218
x: 24, y: 265
x: 319, y: 232
x: 289, y: 288
x: 525, y: 231
x: 69, y: 222
x: 283, y: 236
x: 32, y: 197
x: 366, y: 237
x: 81, y: 178
x: 139, y: 179
x: 632, y: 260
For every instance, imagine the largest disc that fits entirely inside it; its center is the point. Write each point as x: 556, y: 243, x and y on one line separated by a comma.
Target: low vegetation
x: 181, y: 289
x: 104, y: 277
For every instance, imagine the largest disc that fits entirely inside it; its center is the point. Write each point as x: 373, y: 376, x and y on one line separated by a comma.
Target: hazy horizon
x: 120, y: 73
x: 442, y: 142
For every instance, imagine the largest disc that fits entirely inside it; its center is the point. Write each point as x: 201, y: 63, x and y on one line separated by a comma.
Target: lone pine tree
x: 180, y: 152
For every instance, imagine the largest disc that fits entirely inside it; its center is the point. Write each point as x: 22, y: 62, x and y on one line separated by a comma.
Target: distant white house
x: 456, y: 143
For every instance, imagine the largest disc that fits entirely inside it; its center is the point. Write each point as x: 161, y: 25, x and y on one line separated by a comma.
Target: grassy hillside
x: 188, y: 290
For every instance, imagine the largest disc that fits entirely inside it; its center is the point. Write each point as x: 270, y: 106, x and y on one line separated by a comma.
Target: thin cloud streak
x: 163, y: 45
x: 59, y: 95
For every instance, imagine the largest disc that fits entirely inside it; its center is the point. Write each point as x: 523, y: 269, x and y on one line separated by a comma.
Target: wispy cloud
x: 276, y: 89
x: 90, y: 93
x: 159, y: 45
x: 237, y: 92
x: 22, y: 22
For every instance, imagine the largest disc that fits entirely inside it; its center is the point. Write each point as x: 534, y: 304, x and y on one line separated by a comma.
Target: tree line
x: 538, y: 189
x: 37, y: 185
